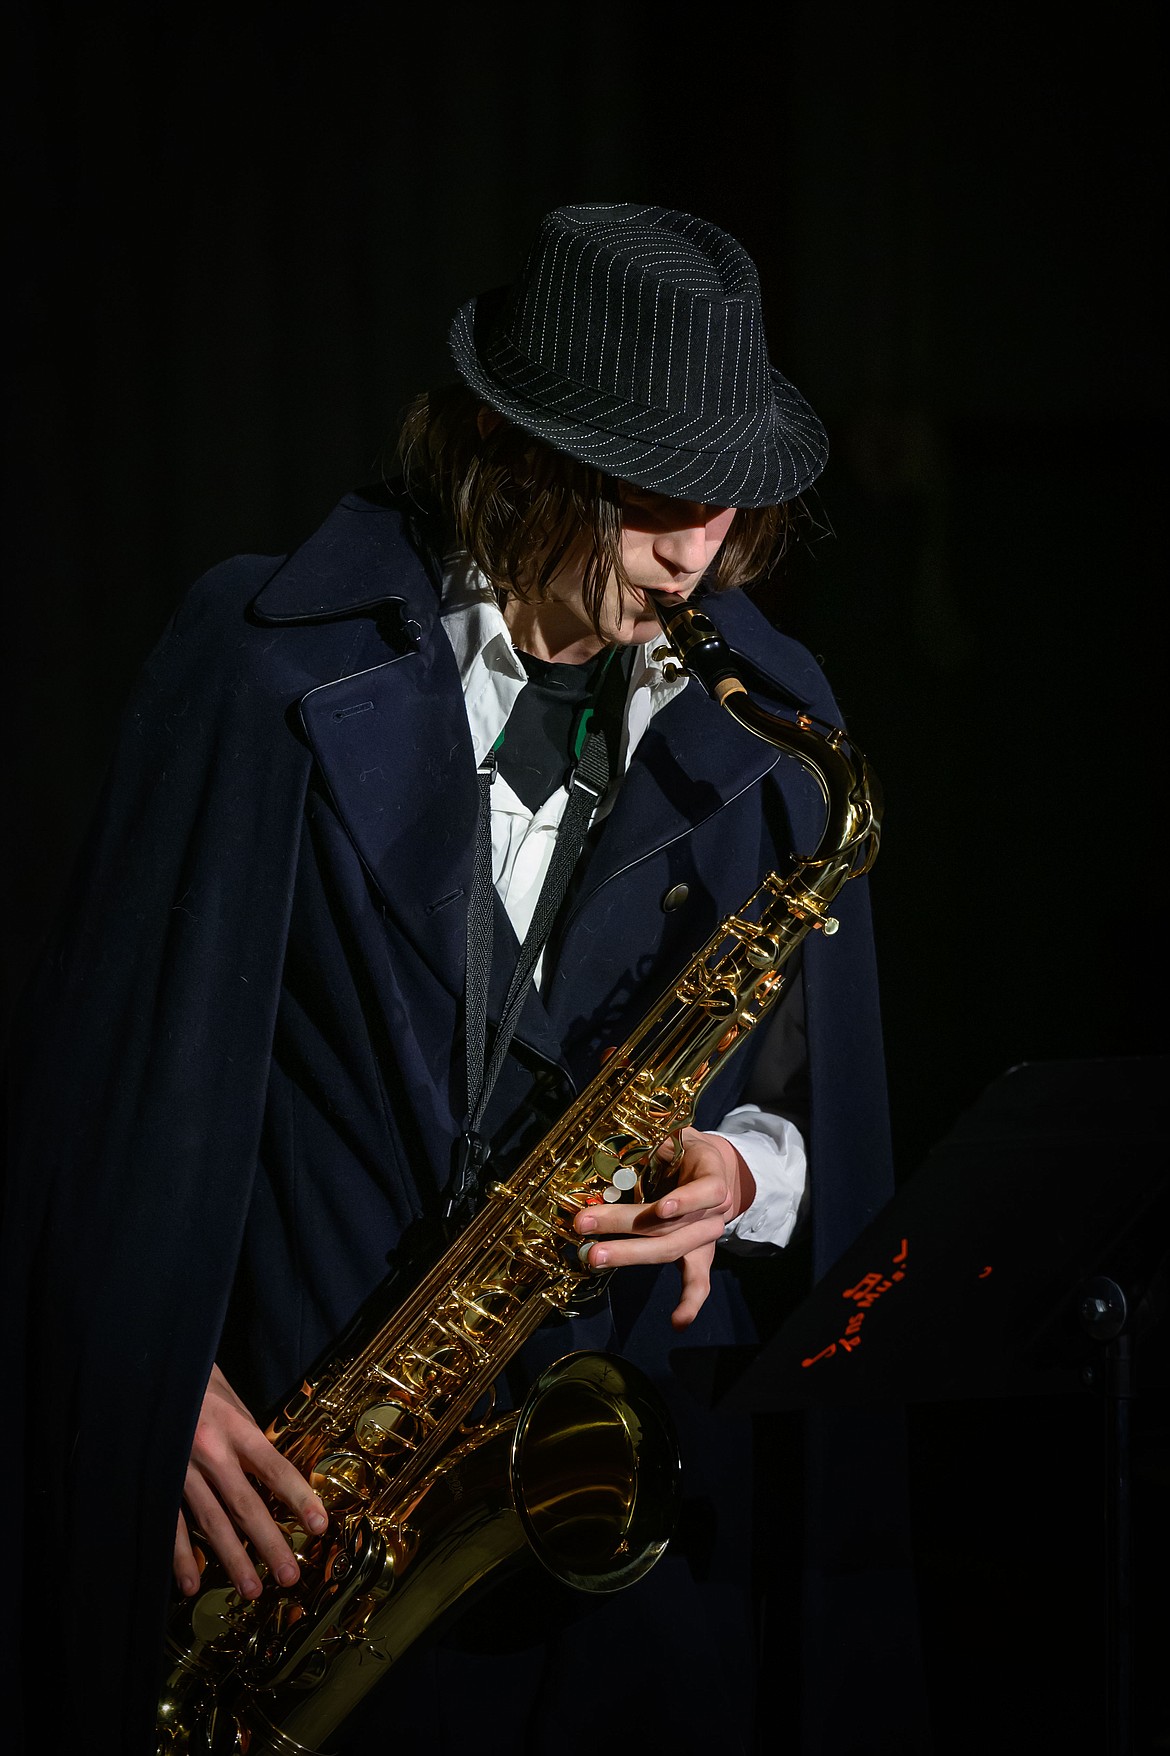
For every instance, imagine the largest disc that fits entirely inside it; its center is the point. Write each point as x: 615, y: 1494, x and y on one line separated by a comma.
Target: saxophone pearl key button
x: 611, y: 1194
x: 675, y: 897
x: 624, y: 1179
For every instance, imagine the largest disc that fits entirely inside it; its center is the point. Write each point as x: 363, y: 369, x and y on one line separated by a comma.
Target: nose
x: 683, y: 547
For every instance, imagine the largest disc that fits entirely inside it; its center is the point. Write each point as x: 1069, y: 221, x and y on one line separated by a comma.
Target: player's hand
x: 684, y: 1225
x: 228, y: 1457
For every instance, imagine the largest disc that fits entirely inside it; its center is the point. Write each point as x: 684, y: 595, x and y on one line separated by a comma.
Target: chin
x: 638, y: 632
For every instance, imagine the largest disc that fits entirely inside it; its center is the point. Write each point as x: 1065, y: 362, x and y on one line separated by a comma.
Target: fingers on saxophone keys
x: 632, y: 1216
x: 651, y: 1224
x: 233, y: 1557
x: 313, y: 1516
x: 269, y: 1543
x: 290, y: 1487
x: 664, y: 1244
x: 239, y: 1516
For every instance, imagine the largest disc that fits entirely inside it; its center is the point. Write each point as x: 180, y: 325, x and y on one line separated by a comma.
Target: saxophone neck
x: 850, y: 791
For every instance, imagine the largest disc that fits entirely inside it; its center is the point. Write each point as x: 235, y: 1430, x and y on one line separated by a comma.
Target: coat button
x: 675, y: 897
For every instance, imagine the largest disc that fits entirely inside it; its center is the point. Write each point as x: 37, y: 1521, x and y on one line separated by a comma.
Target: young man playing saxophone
x: 278, y: 1075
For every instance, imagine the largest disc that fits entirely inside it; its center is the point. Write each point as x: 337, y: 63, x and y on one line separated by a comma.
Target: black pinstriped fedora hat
x: 633, y: 340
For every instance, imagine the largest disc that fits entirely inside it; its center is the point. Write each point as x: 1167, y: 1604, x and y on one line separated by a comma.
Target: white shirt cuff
x: 772, y: 1147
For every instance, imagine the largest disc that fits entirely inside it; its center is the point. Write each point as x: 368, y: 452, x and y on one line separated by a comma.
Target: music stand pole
x: 1104, y: 1315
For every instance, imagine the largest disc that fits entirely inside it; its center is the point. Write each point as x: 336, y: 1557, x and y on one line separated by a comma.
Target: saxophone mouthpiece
x: 698, y: 645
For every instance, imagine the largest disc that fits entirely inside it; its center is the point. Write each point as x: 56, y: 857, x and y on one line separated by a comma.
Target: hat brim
x: 733, y: 461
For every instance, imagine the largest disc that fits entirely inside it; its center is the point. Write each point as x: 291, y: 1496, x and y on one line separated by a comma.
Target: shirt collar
x: 492, y: 674
x: 475, y: 625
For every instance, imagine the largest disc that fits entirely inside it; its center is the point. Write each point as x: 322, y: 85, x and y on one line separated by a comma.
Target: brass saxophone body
x: 429, y: 1490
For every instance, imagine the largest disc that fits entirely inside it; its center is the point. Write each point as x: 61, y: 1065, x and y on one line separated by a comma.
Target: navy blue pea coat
x: 139, y: 1074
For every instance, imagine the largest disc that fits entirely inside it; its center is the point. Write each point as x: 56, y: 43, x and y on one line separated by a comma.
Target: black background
x: 235, y: 244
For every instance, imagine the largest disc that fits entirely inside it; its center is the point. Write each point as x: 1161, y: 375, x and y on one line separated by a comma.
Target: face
x: 667, y: 546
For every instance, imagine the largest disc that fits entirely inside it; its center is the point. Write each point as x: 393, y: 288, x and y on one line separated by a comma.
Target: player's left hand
x: 684, y: 1225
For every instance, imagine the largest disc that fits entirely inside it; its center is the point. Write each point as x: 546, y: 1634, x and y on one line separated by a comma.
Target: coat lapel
x: 391, y: 742
x: 388, y: 744
x: 692, y: 761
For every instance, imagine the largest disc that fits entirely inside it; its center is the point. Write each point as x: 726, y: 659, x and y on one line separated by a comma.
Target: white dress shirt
x: 493, y: 675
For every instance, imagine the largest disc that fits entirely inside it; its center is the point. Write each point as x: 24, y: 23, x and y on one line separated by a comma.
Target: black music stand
x: 1026, y: 1256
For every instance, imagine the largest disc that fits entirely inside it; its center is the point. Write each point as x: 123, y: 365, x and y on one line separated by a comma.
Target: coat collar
x: 375, y: 548
x: 371, y: 550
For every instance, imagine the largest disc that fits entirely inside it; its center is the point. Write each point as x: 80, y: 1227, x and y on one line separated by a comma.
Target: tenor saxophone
x: 429, y: 1489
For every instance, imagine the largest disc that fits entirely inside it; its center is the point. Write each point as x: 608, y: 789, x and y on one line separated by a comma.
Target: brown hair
x: 520, y: 509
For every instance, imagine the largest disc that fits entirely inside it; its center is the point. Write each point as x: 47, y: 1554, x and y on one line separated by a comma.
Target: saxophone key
x: 384, y: 1428
x: 487, y: 1307
x: 605, y: 1164
x: 342, y: 1480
